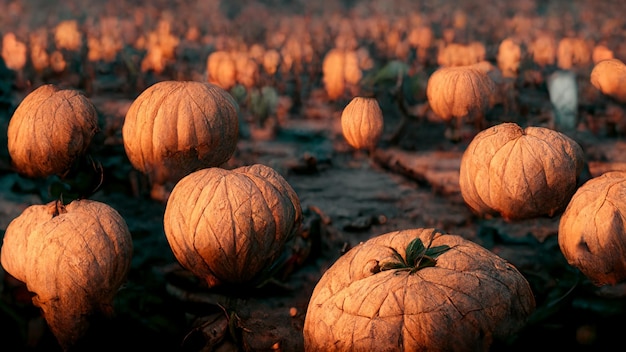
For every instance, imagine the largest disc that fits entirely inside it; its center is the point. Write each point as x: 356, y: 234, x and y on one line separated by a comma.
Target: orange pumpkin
x: 460, y: 92
x: 362, y: 123
x: 609, y: 77
x: 520, y: 173
x: 73, y: 257
x: 176, y: 127
x: 230, y: 226
x: 340, y: 70
x: 592, y: 232
x: 50, y: 130
x: 416, y: 290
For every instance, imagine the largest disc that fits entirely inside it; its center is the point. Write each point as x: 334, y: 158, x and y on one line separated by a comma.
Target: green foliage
x: 263, y: 102
x: 417, y: 257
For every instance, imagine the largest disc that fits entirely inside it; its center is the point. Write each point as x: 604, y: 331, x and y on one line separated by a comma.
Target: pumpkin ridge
x: 218, y: 183
x: 233, y: 228
x: 475, y: 95
x: 273, y: 193
x: 184, y: 225
x: 530, y: 191
x: 160, y: 118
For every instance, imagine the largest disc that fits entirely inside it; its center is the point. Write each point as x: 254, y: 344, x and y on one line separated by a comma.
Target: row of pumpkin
x: 411, y: 288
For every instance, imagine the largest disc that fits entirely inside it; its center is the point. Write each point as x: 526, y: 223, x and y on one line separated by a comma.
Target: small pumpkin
x: 50, y: 130
x: 176, y: 127
x: 520, y: 173
x: 73, y: 257
x: 416, y: 290
x: 221, y: 69
x: 230, y: 226
x: 592, y: 232
x: 460, y: 92
x: 609, y: 77
x: 543, y: 49
x: 362, y: 123
x: 509, y: 57
x: 456, y: 54
x: 340, y: 71
x: 572, y: 53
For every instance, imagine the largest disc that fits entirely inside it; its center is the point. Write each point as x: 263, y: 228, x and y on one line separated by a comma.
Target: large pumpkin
x: 50, y: 130
x: 230, y: 226
x: 73, y: 257
x: 176, y: 127
x: 416, y: 290
x: 520, y: 173
x: 592, y: 231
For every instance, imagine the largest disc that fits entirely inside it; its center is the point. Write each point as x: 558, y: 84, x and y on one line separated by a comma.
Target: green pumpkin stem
x: 417, y: 257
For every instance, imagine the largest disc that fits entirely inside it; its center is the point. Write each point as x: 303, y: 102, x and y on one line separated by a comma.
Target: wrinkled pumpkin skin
x: 520, y: 173
x: 467, y: 300
x: 229, y: 226
x: 592, y: 232
x: 362, y: 123
x: 49, y: 130
x: 74, y: 258
x: 177, y: 127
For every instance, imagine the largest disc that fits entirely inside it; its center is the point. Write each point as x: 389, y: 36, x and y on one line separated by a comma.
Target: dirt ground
x: 347, y: 196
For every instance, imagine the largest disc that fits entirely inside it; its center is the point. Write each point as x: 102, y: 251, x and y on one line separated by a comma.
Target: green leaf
x: 414, y: 251
x: 391, y: 71
x: 392, y: 266
x: 434, y: 252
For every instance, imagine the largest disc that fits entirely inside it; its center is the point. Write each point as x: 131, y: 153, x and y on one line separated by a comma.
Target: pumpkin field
x: 291, y: 175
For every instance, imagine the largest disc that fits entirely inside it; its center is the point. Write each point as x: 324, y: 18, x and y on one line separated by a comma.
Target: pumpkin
x: 230, y: 226
x: 460, y: 92
x: 520, y: 173
x: 362, y: 123
x: 601, y: 52
x: 543, y: 49
x: 572, y: 53
x: 421, y: 38
x: 416, y: 290
x: 456, y: 54
x: 592, y: 233
x: 509, y: 57
x: 50, y: 130
x: 221, y: 69
x: 340, y: 70
x: 13, y: 52
x: 73, y: 257
x: 176, y: 127
x: 609, y: 77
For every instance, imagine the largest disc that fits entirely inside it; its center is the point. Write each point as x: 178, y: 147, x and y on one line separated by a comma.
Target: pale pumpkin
x: 176, y: 127
x: 460, y: 92
x: 520, y: 173
x: 416, y: 290
x: 73, y: 257
x: 609, y: 77
x: 230, y: 226
x: 50, y: 130
x: 592, y: 232
x: 362, y: 123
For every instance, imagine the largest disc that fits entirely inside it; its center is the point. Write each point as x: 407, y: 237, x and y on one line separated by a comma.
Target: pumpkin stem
x: 57, y: 208
x: 417, y: 257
